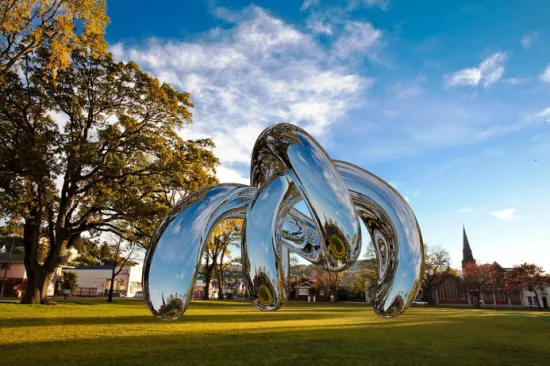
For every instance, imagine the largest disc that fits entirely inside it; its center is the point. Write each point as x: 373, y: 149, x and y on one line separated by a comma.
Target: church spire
x: 467, y: 256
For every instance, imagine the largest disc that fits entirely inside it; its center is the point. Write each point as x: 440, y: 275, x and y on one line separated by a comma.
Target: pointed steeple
x: 467, y: 256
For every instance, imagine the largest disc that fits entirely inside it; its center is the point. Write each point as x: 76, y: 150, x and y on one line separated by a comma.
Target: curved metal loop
x: 288, y: 166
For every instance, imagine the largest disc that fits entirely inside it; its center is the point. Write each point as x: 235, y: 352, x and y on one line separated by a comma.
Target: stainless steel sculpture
x: 288, y: 165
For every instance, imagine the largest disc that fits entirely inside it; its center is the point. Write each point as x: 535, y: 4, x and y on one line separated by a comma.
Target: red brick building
x: 454, y: 291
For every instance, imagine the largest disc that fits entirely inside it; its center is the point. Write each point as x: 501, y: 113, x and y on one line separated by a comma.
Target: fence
x: 86, y: 291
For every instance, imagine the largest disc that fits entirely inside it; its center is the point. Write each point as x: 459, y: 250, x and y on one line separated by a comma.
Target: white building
x: 16, y: 275
x: 96, y: 280
x: 528, y: 298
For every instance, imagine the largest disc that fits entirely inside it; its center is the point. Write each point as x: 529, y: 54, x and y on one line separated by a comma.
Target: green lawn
x: 125, y: 333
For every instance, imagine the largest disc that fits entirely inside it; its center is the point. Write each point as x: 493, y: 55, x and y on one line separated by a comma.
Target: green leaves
x: 119, y: 160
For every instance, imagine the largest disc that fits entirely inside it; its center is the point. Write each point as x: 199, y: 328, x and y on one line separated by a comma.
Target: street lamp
x: 7, y: 265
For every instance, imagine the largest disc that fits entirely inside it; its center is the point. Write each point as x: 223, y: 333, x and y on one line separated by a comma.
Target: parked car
x: 139, y: 294
x: 420, y: 303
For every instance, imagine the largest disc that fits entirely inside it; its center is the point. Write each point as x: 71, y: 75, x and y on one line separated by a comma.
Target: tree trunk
x: 112, y: 286
x: 37, y: 287
x: 207, y: 277
x: 221, y: 284
x: 428, y: 296
x: 38, y: 277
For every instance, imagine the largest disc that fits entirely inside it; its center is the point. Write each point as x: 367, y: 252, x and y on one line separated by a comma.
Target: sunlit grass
x: 216, y: 332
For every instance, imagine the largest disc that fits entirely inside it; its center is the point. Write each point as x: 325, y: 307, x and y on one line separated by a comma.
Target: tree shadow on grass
x: 239, y: 318
x: 453, y: 342
x: 247, y: 317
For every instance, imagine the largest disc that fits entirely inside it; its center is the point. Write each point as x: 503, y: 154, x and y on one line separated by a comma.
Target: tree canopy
x: 529, y: 277
x: 98, y: 151
x: 64, y: 25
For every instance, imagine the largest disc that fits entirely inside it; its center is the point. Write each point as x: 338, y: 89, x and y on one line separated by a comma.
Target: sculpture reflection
x: 288, y: 166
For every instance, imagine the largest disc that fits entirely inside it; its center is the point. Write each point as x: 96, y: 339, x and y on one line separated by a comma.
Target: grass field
x: 125, y: 333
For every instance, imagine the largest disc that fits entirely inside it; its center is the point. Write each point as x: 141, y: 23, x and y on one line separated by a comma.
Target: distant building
x: 96, y: 280
x: 452, y: 290
x: 16, y: 275
x: 306, y: 291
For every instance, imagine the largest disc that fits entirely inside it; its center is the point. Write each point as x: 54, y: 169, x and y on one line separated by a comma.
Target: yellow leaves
x: 18, y: 14
x: 62, y: 25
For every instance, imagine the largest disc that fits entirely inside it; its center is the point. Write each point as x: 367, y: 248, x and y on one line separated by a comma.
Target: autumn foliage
x: 64, y: 25
x: 529, y: 277
x: 478, y: 276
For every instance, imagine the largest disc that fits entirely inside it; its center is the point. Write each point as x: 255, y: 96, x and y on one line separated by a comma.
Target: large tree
x: 477, y: 277
x: 225, y: 233
x: 436, y: 264
x: 64, y: 25
x: 114, y: 163
x: 528, y: 277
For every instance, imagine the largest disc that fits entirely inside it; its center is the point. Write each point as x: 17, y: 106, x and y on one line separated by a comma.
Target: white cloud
x: 526, y: 41
x: 259, y: 70
x: 382, y: 4
x: 402, y: 91
x: 60, y: 118
x: 358, y: 37
x: 351, y: 5
x: 117, y: 50
x: 349, y: 39
x: 319, y: 25
x: 254, y: 73
x: 542, y: 116
x: 308, y: 3
x: 545, y: 76
x: 487, y: 73
x: 226, y: 175
x: 465, y: 77
x: 515, y: 81
x: 506, y: 214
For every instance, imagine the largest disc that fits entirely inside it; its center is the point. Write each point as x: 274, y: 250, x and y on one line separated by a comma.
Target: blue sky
x: 448, y: 101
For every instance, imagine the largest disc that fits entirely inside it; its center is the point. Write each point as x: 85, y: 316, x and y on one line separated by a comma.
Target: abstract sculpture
x: 289, y: 166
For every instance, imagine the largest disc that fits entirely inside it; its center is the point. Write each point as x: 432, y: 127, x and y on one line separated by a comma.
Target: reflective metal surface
x: 289, y: 166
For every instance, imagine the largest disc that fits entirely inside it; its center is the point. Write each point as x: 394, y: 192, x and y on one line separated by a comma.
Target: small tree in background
x: 528, y: 277
x: 105, y: 252
x: 436, y: 264
x: 329, y: 280
x: 122, y: 253
x: 69, y: 281
x: 231, y: 230
x: 362, y: 278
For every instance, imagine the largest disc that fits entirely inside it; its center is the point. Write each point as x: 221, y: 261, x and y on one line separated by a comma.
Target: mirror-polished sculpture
x: 288, y: 166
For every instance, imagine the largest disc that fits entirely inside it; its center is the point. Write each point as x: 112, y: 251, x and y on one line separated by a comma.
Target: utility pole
x: 7, y: 266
